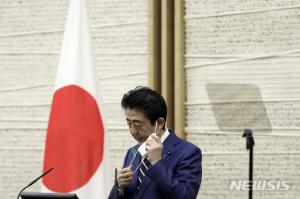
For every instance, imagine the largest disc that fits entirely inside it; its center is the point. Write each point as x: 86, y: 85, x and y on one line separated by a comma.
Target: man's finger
x: 126, y: 175
x: 126, y: 169
x: 122, y: 183
x: 125, y: 179
x: 156, y: 138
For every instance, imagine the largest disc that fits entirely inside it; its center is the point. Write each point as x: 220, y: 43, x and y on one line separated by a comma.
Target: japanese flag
x: 75, y: 143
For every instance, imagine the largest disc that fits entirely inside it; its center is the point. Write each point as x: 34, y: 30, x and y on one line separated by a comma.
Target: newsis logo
x: 259, y: 185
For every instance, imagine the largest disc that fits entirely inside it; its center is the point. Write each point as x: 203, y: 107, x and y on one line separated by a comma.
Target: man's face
x: 139, y: 126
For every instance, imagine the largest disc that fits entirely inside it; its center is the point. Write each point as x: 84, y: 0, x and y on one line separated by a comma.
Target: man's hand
x: 124, y: 177
x: 154, y: 148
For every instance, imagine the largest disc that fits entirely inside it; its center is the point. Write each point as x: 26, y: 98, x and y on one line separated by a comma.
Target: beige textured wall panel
x: 245, y: 33
x: 283, y: 117
x: 126, y: 82
x: 31, y: 16
x: 30, y: 96
x: 109, y: 60
x: 246, y: 45
x: 276, y: 78
x: 227, y: 143
x: 125, y: 39
x: 30, y: 40
x: 37, y: 43
x: 18, y: 165
x: 215, y: 7
x: 22, y: 139
x: 221, y: 169
x: 26, y: 71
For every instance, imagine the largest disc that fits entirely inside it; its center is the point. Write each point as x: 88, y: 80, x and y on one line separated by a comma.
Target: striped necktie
x: 143, y: 171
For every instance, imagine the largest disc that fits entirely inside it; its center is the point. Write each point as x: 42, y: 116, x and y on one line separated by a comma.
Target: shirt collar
x: 165, y: 135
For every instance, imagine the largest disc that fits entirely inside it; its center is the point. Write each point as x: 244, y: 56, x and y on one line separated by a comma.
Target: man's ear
x: 160, y: 122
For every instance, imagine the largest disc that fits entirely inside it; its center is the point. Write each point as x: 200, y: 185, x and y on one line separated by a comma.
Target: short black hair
x: 146, y: 100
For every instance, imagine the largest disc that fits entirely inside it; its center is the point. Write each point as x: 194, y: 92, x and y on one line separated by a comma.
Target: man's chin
x: 140, y: 141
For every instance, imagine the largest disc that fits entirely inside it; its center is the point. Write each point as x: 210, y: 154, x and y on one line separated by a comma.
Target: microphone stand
x: 34, y: 181
x: 249, y: 145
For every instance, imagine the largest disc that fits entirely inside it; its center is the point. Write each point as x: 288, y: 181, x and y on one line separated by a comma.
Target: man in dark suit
x: 161, y: 165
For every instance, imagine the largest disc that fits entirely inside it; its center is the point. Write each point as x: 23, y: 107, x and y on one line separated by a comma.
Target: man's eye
x: 138, y: 125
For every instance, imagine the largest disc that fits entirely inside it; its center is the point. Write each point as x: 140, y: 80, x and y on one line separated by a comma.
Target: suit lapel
x: 132, y: 188
x: 146, y: 182
x: 135, y: 165
x: 168, y: 144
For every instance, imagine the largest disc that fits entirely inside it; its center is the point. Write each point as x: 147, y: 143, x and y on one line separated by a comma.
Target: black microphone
x: 249, y: 138
x: 34, y: 181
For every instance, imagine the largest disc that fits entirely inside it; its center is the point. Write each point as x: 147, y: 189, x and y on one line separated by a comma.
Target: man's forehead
x: 132, y: 114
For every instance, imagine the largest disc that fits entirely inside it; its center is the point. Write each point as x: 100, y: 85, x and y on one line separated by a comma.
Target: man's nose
x: 133, y: 129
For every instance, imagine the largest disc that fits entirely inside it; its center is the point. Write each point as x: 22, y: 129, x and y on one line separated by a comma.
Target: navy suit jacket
x: 176, y: 176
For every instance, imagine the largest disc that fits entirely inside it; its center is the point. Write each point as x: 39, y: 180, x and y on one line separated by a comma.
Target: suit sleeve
x: 184, y: 181
x: 115, y: 193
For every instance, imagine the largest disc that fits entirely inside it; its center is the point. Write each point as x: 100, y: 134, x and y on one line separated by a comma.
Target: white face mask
x: 142, y: 149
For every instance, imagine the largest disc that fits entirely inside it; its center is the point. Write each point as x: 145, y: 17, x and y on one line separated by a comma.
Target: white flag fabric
x: 75, y: 143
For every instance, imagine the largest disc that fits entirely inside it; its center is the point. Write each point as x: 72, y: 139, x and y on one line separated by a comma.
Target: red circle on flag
x: 75, y: 139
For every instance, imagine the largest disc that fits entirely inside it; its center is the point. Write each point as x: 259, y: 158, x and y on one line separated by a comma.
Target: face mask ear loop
x: 155, y: 131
